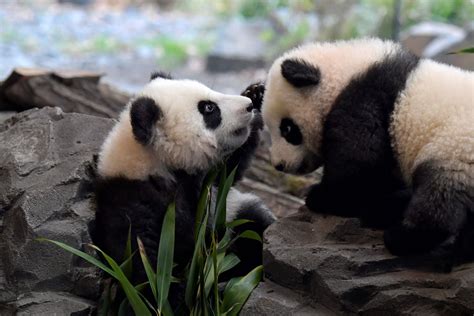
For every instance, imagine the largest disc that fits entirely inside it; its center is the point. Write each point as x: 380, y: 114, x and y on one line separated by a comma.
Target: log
x: 72, y: 91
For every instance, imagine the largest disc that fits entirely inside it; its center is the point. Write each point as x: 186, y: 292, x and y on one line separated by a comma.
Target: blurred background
x: 226, y: 44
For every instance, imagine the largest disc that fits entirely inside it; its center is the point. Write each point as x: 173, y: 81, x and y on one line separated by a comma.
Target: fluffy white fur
x: 181, y: 140
x: 338, y: 63
x: 236, y: 200
x: 434, y: 120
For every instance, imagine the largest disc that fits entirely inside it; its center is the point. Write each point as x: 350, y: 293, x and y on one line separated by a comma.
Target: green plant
x: 213, y: 237
x: 468, y: 50
x: 202, y: 296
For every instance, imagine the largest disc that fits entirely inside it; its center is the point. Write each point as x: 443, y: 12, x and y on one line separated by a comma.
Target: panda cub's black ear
x: 144, y: 113
x: 300, y: 73
x: 160, y: 74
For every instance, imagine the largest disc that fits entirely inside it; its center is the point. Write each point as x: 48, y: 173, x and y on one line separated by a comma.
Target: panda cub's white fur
x: 434, y: 120
x: 166, y: 140
x: 394, y: 132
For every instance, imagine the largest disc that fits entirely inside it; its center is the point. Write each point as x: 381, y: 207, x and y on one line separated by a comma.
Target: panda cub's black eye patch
x: 290, y: 131
x: 210, y: 113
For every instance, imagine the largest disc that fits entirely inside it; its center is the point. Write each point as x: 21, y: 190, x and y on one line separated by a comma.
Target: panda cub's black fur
x: 151, y: 158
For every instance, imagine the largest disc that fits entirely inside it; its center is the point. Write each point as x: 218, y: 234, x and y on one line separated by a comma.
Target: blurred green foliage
x: 286, y: 23
x: 336, y: 19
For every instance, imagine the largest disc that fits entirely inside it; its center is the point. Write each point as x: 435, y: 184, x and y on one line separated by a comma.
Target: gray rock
x: 45, y: 191
x: 271, y: 299
x: 346, y: 268
x: 52, y: 303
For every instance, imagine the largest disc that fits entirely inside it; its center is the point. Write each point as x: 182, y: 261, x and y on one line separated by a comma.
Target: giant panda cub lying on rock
x: 395, y: 134
x: 166, y: 140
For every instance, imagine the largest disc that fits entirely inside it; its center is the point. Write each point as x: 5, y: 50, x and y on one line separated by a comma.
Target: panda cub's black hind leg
x: 437, y: 215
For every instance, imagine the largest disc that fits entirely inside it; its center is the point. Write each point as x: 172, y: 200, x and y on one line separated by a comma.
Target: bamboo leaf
x: 225, y: 242
x: 468, y: 50
x: 167, y: 310
x: 238, y: 290
x: 127, y: 255
x: 83, y: 255
x: 209, y: 269
x: 215, y: 272
x: 196, y: 266
x: 139, y: 307
x: 123, y: 307
x: 126, y: 266
x: 105, y: 302
x: 222, y: 178
x: 164, y: 262
x: 230, y: 261
x: 250, y: 234
x: 238, y: 222
x: 220, y: 213
x: 151, y: 275
x: 203, y: 201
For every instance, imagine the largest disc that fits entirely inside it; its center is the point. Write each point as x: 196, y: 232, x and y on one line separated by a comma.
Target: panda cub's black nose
x: 250, y: 107
x: 279, y: 167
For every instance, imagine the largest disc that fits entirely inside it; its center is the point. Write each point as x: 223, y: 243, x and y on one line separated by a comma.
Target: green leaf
x: 167, y: 310
x: 83, y: 255
x: 126, y: 266
x: 203, y: 201
x: 209, y: 269
x: 250, y: 234
x: 230, y: 261
x: 138, y: 305
x: 222, y: 178
x: 105, y: 301
x: 123, y: 307
x: 224, y: 263
x: 127, y: 262
x: 220, y: 213
x: 238, y: 222
x: 151, y: 275
x: 238, y: 290
x: 196, y: 265
x: 164, y: 262
x: 225, y: 242
x: 468, y: 50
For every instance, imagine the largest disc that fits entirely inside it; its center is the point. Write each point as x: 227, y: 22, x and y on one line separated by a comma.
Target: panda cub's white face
x: 198, y: 123
x: 301, y: 88
x: 175, y: 124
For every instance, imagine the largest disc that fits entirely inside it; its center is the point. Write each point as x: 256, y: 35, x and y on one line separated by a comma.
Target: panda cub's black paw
x: 316, y: 199
x: 255, y: 93
x: 403, y: 241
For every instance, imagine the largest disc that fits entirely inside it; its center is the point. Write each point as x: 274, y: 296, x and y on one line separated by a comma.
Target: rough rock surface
x: 45, y: 163
x: 336, y: 263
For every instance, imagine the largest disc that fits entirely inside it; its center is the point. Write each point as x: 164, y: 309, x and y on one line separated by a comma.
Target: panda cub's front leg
x: 247, y: 206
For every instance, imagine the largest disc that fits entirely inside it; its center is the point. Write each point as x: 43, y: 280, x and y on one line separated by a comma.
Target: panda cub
x: 395, y: 134
x: 166, y: 140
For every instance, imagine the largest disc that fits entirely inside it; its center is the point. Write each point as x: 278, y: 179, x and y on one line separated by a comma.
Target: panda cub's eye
x: 209, y: 108
x: 211, y: 113
x: 290, y: 131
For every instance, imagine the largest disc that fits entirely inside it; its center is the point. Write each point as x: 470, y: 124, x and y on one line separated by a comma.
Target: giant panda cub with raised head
x: 166, y: 140
x: 395, y: 134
